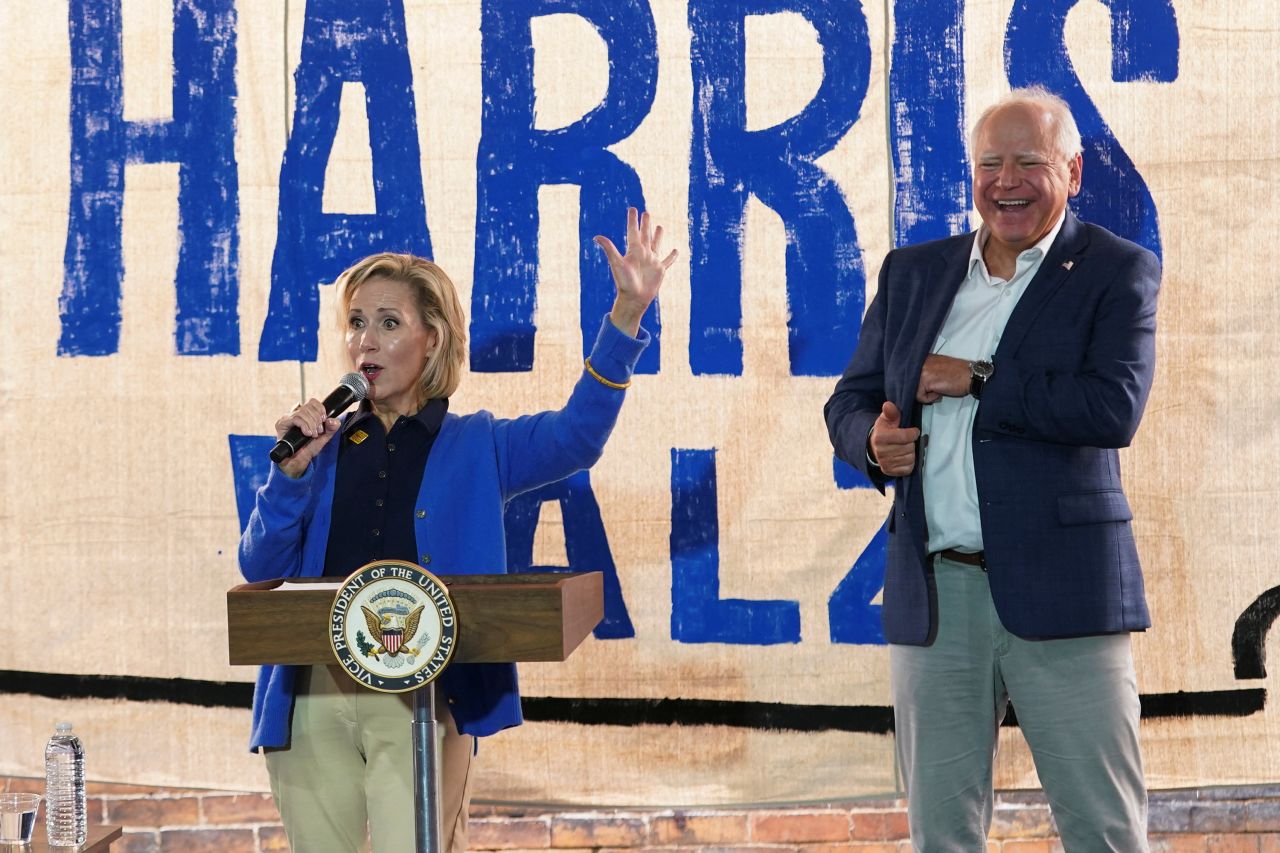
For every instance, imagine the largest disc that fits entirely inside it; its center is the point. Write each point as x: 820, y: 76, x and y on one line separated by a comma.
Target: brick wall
x: 175, y: 820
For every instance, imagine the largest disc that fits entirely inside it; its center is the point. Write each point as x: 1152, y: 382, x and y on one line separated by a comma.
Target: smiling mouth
x: 1013, y: 204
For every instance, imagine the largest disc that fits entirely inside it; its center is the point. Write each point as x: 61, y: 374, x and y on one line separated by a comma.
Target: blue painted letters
x: 515, y: 159
x: 343, y: 42
x: 825, y: 279
x: 1144, y: 46
x: 250, y: 465
x: 200, y: 139
x: 932, y: 186
x: 851, y: 615
x: 698, y: 613
x: 585, y: 542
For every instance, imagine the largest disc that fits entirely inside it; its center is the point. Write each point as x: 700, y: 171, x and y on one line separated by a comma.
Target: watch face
x: 982, y: 369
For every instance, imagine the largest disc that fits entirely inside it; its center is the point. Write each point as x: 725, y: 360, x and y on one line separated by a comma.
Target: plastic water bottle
x: 65, y: 814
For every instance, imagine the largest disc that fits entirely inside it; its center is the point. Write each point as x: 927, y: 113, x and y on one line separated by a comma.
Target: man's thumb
x: 890, y: 413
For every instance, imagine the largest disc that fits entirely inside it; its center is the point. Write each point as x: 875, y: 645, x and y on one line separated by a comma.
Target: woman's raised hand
x: 637, y: 274
x: 310, y: 418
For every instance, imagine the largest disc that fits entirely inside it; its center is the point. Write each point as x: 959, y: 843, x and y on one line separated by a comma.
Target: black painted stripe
x: 180, y: 691
x: 1205, y: 703
x: 869, y: 719
x: 872, y: 719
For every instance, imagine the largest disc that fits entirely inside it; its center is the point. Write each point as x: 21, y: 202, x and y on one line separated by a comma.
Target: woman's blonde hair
x: 438, y: 306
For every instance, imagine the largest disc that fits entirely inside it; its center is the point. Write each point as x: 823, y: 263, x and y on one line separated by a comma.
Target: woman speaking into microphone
x: 403, y: 478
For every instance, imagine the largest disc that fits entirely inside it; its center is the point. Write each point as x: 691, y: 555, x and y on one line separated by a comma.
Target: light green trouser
x: 1077, y: 705
x: 347, y: 775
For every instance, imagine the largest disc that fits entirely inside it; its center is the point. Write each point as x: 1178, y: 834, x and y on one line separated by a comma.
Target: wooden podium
x: 501, y: 619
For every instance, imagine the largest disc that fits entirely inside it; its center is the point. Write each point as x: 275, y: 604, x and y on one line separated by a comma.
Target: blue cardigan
x: 478, y: 463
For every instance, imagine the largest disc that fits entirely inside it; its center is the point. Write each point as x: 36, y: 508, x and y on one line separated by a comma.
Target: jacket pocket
x: 1093, y: 507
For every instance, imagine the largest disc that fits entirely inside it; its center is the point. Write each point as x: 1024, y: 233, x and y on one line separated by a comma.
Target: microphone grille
x: 358, y: 385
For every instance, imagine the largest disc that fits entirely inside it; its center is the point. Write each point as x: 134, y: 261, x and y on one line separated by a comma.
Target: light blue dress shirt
x: 972, y: 332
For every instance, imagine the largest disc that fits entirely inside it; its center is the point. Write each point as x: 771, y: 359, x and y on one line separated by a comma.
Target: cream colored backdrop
x: 118, y: 520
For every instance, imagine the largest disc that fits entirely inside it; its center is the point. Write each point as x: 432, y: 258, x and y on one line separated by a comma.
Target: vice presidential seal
x: 392, y: 626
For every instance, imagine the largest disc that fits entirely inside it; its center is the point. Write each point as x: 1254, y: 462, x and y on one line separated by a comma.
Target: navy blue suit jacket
x: 1072, y: 375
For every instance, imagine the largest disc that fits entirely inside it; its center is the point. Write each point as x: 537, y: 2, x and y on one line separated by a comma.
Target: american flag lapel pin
x: 1067, y: 265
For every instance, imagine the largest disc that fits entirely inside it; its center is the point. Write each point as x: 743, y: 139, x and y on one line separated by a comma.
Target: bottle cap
x: 63, y: 727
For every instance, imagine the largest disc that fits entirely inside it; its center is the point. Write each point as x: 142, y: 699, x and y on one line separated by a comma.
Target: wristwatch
x: 979, y: 372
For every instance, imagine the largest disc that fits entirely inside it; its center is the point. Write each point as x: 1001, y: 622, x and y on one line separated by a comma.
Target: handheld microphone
x: 352, y: 389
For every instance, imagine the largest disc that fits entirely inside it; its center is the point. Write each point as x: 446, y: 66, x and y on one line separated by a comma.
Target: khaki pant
x: 346, y: 777
x: 1077, y: 705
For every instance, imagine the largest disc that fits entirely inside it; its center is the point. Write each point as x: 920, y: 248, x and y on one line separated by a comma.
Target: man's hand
x: 943, y: 376
x: 892, y: 447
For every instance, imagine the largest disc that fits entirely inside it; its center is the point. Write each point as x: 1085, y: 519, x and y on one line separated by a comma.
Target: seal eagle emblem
x: 392, y: 626
x: 393, y: 634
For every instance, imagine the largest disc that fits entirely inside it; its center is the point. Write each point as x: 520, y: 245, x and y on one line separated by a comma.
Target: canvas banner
x: 184, y: 180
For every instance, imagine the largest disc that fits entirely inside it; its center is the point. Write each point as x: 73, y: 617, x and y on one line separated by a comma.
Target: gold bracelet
x: 597, y: 377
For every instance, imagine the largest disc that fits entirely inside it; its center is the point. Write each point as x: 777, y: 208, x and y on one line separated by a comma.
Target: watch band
x: 979, y: 372
x: 975, y: 386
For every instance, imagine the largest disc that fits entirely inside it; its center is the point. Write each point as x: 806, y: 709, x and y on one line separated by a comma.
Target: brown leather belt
x: 979, y: 559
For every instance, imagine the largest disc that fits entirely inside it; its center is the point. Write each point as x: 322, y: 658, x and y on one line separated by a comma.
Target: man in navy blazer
x: 995, y: 377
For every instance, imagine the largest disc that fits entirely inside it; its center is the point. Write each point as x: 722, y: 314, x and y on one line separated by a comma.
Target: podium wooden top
x: 501, y: 618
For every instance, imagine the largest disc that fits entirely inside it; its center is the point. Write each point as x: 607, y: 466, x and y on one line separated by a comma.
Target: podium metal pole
x: 426, y: 771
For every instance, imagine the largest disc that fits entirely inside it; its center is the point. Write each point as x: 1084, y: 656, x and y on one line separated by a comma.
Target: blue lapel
x: 1059, y: 263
